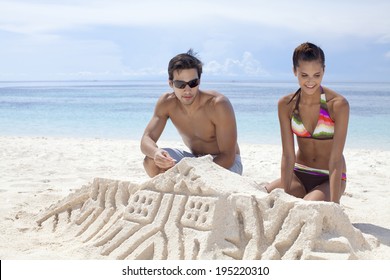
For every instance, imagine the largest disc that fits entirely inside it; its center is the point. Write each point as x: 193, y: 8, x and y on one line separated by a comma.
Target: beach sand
x: 38, y: 172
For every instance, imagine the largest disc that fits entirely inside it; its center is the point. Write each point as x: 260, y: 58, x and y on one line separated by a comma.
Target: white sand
x: 38, y: 172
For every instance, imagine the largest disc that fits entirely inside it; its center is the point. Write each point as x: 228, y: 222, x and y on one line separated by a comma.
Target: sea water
x: 122, y: 109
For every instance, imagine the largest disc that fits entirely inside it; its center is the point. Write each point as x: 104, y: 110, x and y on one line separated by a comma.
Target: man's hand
x: 163, y: 160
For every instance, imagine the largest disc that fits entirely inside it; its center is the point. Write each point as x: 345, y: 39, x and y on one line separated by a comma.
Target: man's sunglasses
x: 181, y: 84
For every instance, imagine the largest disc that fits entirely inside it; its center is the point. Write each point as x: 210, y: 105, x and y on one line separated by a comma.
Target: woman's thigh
x: 296, y: 189
x: 322, y: 192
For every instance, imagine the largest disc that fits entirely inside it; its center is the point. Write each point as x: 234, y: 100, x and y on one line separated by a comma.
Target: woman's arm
x: 336, y: 160
x: 288, y: 154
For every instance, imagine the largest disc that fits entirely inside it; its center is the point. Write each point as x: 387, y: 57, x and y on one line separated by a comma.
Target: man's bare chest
x: 196, y: 127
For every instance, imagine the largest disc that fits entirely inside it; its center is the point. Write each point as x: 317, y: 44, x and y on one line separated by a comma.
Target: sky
x: 236, y: 40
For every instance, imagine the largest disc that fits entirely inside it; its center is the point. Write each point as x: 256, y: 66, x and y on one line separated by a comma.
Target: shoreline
x: 176, y: 140
x: 38, y: 171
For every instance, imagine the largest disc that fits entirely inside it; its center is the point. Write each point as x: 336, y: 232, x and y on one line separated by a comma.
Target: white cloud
x: 124, y: 38
x: 247, y: 66
x: 384, y: 39
x: 46, y: 57
x: 387, y: 55
x: 145, y: 72
x: 35, y: 16
x: 333, y: 17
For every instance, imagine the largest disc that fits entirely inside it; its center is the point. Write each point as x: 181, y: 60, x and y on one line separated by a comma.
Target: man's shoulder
x: 165, y: 104
x: 217, y: 104
x: 167, y: 98
x: 214, y: 97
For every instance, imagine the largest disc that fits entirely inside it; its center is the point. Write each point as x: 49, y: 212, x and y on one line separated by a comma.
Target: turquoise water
x: 121, y: 109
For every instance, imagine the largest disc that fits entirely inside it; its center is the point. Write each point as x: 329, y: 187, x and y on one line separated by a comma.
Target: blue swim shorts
x: 179, y: 154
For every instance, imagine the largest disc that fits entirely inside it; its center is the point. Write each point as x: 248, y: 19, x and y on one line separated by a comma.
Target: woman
x: 318, y: 117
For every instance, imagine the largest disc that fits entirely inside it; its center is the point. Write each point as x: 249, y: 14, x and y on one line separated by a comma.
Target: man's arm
x: 153, y: 132
x: 226, y: 131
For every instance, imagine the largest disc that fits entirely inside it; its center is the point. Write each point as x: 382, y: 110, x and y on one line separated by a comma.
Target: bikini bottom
x: 313, y: 177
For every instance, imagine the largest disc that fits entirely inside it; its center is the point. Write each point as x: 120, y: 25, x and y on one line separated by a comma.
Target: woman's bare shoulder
x: 335, y: 99
x: 286, y: 101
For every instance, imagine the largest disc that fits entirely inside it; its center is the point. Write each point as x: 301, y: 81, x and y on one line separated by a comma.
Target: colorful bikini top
x: 325, y: 125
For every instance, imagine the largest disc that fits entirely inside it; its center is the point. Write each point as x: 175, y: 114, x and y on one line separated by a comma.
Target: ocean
x: 122, y: 109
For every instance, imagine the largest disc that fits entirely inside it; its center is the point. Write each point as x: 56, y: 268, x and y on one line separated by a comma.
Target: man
x: 204, y: 119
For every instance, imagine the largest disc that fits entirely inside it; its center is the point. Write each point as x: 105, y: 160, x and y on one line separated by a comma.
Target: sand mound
x: 198, y: 210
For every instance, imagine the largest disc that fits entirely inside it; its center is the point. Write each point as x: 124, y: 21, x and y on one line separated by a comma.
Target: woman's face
x: 309, y: 74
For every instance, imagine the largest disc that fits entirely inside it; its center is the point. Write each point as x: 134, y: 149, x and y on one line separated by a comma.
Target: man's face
x: 181, y: 84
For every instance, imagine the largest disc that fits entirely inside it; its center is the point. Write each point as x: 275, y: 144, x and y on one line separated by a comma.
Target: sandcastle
x: 199, y: 210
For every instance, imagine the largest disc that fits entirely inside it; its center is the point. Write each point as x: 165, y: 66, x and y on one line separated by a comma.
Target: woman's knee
x: 273, y: 185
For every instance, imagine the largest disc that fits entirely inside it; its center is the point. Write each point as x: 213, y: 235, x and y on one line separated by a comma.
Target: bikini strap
x: 295, y: 94
x: 298, y: 94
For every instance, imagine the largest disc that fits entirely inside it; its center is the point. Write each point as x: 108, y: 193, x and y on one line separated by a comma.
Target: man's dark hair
x: 183, y: 61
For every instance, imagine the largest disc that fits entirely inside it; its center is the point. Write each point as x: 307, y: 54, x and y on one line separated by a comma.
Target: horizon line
x: 204, y: 80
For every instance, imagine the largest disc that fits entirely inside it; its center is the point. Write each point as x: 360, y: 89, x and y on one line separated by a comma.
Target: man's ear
x: 170, y: 83
x: 294, y: 71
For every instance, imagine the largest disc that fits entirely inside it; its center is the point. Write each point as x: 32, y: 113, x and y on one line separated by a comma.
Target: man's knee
x: 147, y: 161
x: 150, y: 167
